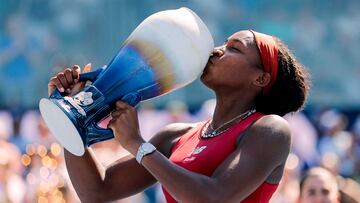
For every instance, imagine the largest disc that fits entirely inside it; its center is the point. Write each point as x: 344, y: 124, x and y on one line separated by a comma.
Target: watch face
x: 147, y: 147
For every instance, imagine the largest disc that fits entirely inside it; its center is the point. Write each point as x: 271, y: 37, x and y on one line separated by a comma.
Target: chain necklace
x: 208, y: 131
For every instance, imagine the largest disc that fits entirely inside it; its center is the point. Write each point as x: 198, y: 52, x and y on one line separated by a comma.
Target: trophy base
x: 61, y: 127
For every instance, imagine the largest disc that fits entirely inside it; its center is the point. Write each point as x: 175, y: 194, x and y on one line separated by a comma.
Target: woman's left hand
x: 125, y: 125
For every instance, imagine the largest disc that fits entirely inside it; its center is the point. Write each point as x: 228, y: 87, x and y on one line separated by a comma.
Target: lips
x: 206, y: 67
x: 211, y: 61
x: 208, y: 64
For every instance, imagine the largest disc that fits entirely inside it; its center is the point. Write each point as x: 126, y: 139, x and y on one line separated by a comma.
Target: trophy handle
x: 97, y: 134
x: 94, y: 132
x: 91, y: 76
x: 132, y: 98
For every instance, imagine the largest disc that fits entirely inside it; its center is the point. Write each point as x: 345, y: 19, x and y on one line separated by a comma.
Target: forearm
x: 86, y: 175
x: 183, y: 185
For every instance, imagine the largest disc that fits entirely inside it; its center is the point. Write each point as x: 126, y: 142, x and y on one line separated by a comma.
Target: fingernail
x: 68, y: 90
x: 61, y: 89
x: 76, y: 80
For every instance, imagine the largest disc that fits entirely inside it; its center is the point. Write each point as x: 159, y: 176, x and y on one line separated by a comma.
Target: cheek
x: 230, y: 68
x: 306, y: 200
x: 333, y: 196
x: 233, y: 67
x: 243, y: 71
x: 238, y: 62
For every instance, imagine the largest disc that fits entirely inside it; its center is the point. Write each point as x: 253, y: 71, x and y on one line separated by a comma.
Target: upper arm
x: 168, y: 136
x: 126, y: 176
x: 265, y: 148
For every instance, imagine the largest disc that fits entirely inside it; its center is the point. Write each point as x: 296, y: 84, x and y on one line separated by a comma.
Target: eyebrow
x: 240, y: 40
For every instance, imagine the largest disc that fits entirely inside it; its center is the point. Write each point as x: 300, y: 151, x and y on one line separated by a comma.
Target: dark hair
x: 289, y: 91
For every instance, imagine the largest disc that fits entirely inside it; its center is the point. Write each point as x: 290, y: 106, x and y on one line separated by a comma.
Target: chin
x: 203, y: 77
x: 205, y: 80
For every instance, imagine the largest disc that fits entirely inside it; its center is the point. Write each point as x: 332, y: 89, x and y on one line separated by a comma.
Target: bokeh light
x: 26, y: 160
x: 41, y: 150
x: 55, y: 149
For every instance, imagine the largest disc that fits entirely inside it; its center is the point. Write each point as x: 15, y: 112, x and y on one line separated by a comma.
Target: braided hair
x: 290, y: 89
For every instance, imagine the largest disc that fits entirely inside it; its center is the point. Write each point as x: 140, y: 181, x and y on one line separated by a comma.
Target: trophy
x: 167, y: 51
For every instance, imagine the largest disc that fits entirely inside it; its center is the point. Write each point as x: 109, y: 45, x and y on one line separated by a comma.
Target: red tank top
x: 192, y: 153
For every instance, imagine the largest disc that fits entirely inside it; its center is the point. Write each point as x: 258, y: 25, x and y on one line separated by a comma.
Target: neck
x: 229, y: 107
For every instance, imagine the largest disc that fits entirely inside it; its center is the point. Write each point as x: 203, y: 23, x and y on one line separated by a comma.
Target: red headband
x: 269, y: 56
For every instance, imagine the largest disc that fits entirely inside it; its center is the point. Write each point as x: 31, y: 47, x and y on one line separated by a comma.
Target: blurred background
x: 39, y: 38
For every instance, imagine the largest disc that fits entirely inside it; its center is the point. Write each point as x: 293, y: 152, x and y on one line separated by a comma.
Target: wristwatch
x: 144, y: 149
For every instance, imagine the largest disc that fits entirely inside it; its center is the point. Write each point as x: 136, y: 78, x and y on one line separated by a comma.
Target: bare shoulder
x: 270, y: 136
x: 167, y: 136
x: 178, y: 128
x: 273, y: 125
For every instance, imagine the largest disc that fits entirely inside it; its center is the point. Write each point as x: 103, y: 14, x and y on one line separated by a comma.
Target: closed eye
x: 231, y: 45
x: 235, y: 48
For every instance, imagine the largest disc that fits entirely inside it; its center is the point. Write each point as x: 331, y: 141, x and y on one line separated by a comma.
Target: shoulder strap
x: 183, y: 138
x: 251, y: 121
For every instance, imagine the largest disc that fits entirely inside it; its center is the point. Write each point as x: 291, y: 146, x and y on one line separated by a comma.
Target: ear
x: 262, y: 80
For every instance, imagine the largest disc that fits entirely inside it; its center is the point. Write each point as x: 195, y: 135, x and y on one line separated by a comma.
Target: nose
x: 218, y: 51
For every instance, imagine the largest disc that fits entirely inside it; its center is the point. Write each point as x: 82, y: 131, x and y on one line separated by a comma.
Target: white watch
x: 144, y: 149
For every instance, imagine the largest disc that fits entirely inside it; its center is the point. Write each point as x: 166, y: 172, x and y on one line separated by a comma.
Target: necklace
x: 208, y: 131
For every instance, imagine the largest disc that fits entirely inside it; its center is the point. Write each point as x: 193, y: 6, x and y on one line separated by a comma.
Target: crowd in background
x: 38, y: 38
x: 32, y: 164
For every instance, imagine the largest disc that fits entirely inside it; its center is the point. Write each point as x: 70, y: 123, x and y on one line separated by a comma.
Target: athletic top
x: 203, y: 156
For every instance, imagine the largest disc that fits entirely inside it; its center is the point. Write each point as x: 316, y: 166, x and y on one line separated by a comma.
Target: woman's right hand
x: 67, y: 81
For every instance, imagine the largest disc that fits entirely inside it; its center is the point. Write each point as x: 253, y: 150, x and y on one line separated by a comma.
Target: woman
x: 319, y: 185
x: 236, y: 156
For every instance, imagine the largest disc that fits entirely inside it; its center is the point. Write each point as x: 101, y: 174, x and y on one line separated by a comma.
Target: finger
x: 51, y: 87
x: 63, y: 81
x: 111, y: 124
x: 69, y: 76
x: 75, y: 70
x: 87, y: 68
x: 119, y: 105
x: 55, y: 83
x: 116, y: 114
